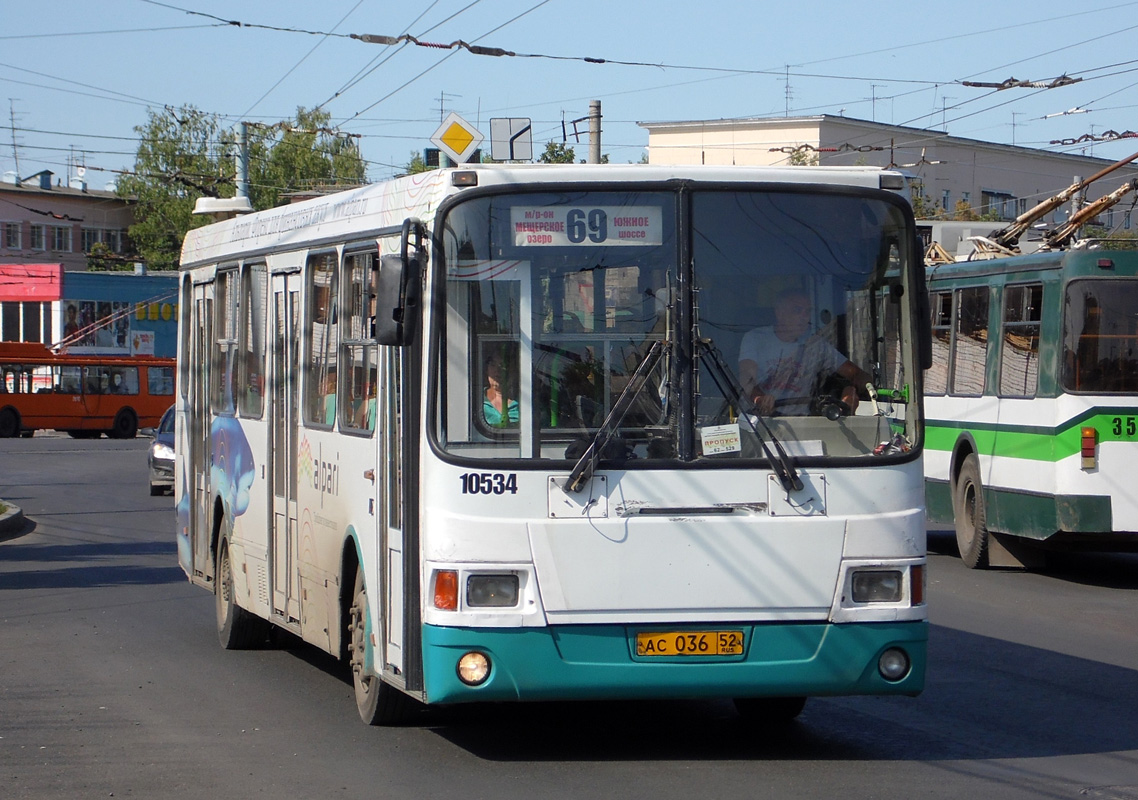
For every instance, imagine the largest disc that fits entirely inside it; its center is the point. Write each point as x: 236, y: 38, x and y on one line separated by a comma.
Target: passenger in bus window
x: 497, y: 409
x: 782, y: 367
x: 365, y: 415
x: 330, y: 397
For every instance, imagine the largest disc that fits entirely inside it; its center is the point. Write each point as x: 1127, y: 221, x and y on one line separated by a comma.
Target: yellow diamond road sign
x: 457, y: 138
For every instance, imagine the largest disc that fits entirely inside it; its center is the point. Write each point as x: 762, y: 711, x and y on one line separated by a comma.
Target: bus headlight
x: 876, y: 586
x: 473, y: 668
x: 893, y: 664
x: 492, y: 591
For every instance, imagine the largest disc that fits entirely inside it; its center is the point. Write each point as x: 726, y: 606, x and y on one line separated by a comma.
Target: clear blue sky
x: 78, y: 76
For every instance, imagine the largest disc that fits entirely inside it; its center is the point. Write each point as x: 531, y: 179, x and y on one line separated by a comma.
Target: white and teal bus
x: 479, y: 432
x: 1032, y: 404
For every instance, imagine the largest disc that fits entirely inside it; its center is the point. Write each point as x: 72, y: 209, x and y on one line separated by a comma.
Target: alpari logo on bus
x: 324, y: 476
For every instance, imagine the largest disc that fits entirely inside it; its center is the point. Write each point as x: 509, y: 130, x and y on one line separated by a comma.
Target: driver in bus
x: 782, y: 366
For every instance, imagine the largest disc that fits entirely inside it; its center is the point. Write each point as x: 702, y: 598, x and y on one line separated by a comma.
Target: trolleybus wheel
x: 970, y: 515
x: 9, y: 423
x: 769, y: 710
x: 378, y: 703
x: 237, y: 629
x: 125, y: 425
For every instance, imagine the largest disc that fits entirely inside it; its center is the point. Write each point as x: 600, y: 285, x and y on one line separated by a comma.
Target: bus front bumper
x: 591, y: 662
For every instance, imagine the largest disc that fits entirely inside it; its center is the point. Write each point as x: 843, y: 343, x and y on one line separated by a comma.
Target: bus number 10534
x: 489, y: 482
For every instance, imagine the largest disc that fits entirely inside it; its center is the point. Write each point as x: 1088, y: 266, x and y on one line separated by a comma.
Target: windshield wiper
x: 587, y: 464
x: 729, y: 386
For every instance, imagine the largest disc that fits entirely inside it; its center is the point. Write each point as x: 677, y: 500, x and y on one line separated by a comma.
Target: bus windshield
x: 1100, y: 336
x: 761, y: 313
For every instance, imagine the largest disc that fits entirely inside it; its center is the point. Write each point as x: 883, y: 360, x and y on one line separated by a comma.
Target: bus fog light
x: 893, y: 664
x: 492, y: 591
x: 474, y: 668
x: 876, y: 586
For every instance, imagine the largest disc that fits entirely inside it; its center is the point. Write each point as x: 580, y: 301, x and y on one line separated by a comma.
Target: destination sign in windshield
x: 585, y: 226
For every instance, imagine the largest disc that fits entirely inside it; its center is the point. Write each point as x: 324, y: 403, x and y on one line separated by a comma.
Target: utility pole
x: 242, y: 165
x: 15, y: 153
x: 594, y: 131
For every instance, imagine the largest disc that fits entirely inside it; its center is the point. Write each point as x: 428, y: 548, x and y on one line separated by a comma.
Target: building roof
x: 885, y: 129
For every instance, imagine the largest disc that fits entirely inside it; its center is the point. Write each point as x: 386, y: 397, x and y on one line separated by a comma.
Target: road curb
x: 11, y: 520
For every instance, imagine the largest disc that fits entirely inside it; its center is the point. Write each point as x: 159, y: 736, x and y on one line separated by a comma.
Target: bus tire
x: 125, y: 425
x: 970, y: 515
x: 769, y: 710
x: 237, y: 629
x: 378, y: 703
x: 9, y: 423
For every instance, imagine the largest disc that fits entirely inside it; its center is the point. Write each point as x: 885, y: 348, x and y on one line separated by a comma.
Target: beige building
x: 42, y: 221
x: 991, y: 179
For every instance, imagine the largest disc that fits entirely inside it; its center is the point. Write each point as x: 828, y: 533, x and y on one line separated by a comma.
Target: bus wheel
x: 9, y: 423
x: 769, y: 710
x: 971, y: 518
x: 237, y: 629
x: 125, y: 425
x: 378, y: 703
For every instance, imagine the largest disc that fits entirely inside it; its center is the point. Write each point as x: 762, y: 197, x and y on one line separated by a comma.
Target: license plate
x: 690, y: 643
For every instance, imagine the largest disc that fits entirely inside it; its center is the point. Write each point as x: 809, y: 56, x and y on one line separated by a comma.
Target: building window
x: 944, y: 198
x: 10, y: 321
x: 12, y: 235
x: 111, y: 238
x: 61, y: 239
x: 1000, y: 204
x: 38, y: 238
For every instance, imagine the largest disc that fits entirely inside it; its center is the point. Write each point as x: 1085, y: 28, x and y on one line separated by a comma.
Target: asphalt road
x: 112, y: 684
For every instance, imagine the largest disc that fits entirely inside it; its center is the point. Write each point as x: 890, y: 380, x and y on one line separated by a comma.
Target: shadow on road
x: 1044, y: 704
x: 86, y: 565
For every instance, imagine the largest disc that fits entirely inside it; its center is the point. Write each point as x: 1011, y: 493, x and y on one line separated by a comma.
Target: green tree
x: 301, y: 155
x: 802, y: 156
x: 963, y: 212
x: 179, y: 159
x: 185, y: 154
x: 416, y: 165
x: 557, y: 153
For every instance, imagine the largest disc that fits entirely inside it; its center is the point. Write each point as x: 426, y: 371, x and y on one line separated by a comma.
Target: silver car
x: 161, y: 457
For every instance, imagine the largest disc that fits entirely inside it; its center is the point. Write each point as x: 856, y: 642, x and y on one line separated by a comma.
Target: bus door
x: 198, y: 434
x: 284, y: 413
x: 389, y: 441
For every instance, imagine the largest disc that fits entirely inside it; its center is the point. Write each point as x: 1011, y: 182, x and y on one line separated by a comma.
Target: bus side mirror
x: 398, y: 292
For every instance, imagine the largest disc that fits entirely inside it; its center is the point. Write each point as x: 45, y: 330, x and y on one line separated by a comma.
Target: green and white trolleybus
x: 480, y: 433
x: 1032, y: 404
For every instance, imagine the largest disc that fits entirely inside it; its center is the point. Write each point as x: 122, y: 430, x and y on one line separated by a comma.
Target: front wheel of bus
x: 9, y: 423
x: 971, y: 516
x: 237, y: 629
x: 377, y: 702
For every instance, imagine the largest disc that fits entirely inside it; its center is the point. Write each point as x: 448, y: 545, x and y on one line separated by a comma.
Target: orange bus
x: 84, y: 395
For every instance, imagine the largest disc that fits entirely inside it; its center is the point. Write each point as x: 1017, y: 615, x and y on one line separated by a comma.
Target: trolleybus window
x: 1100, y: 336
x: 1019, y: 362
